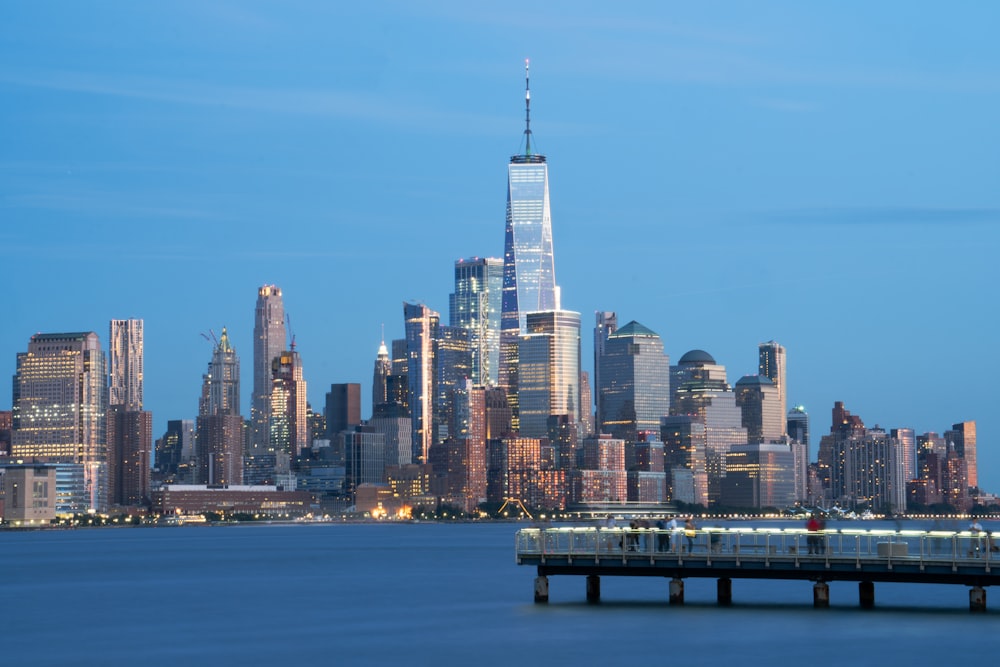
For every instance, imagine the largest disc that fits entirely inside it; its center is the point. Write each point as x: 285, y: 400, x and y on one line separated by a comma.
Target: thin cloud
x: 901, y: 215
x: 299, y: 102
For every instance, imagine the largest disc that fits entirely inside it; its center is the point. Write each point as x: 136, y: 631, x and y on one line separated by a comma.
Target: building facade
x: 634, y: 384
x: 475, y: 306
x: 549, y: 373
x: 268, y: 342
x: 60, y: 407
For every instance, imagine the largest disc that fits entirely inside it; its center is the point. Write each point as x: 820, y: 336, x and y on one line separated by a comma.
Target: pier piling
x: 676, y: 591
x: 724, y: 587
x: 541, y: 589
x: 821, y: 595
x: 593, y: 588
x: 977, y: 599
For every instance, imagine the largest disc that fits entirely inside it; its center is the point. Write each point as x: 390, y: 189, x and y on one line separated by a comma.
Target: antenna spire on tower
x: 527, y: 109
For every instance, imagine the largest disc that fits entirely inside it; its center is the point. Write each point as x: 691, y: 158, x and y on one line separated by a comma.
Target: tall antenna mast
x: 527, y: 109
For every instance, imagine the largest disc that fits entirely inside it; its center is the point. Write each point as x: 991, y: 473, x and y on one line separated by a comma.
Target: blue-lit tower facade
x: 475, y: 306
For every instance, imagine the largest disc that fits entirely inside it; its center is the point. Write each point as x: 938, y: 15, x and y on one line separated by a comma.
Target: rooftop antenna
x: 527, y: 108
x: 289, y: 334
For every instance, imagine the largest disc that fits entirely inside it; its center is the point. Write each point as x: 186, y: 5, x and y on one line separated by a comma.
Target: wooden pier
x: 866, y: 556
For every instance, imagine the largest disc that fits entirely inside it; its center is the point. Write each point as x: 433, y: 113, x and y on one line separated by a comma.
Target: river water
x: 428, y: 594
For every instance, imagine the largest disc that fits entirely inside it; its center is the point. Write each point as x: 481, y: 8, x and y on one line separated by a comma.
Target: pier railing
x: 767, y: 544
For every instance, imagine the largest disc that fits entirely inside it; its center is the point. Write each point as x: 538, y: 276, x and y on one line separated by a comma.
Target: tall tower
x: 529, y: 277
x: 421, y: 323
x: 634, y: 384
x: 289, y: 423
x: 605, y: 324
x: 130, y: 429
x: 125, y: 359
x: 60, y: 407
x: 380, y: 376
x: 219, y: 439
x: 771, y: 365
x: 268, y: 343
x: 549, y: 355
x: 475, y: 306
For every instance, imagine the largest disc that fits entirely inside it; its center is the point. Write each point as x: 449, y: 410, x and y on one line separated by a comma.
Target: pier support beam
x: 676, y: 591
x: 866, y: 594
x: 977, y: 599
x: 541, y: 589
x: 821, y: 595
x: 724, y: 587
x: 593, y: 588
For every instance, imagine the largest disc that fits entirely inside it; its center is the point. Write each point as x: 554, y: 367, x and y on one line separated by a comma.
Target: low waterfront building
x: 201, y: 498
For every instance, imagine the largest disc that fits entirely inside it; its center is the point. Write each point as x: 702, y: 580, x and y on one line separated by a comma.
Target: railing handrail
x: 745, y: 543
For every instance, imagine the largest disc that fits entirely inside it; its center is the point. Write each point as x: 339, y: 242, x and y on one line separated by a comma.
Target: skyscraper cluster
x: 490, y: 405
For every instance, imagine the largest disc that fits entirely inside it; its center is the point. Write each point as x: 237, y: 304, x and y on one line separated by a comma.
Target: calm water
x: 426, y: 594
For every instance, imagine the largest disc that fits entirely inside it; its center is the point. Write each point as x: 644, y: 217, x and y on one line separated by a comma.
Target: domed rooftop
x: 697, y: 357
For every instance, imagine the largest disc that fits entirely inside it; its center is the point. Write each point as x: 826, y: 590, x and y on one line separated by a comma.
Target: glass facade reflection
x: 475, y: 306
x: 634, y: 385
x: 549, y: 382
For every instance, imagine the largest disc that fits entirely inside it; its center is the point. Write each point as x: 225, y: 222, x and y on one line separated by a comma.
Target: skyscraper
x: 130, y: 429
x: 420, y: 323
x: 475, y: 306
x: 963, y: 437
x: 268, y: 343
x: 125, y: 364
x: 606, y: 323
x: 761, y: 409
x: 60, y: 407
x: 219, y: 435
x: 550, y: 370
x: 380, y: 377
x: 771, y: 364
x: 289, y: 423
x: 529, y: 280
x: 634, y: 384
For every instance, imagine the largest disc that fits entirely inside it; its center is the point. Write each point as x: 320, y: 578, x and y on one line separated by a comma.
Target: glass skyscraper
x: 268, y: 343
x: 529, y: 277
x: 549, y: 370
x: 634, y: 390
x: 475, y: 307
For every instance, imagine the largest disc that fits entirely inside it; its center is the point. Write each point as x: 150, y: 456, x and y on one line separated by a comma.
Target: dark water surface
x: 424, y: 594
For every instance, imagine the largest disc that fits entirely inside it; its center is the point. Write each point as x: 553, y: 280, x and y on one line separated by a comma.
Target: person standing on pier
x: 675, y: 531
x: 690, y: 530
x: 812, y: 539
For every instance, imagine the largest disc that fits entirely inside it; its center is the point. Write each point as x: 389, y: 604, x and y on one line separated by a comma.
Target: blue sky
x: 820, y: 174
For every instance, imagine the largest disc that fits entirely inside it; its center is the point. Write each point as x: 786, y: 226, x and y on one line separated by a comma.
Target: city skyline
x: 760, y: 187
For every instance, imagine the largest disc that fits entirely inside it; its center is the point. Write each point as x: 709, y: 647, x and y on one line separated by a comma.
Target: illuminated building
x: 129, y: 428
x: 289, y: 423
x: 771, y: 364
x: 60, y: 407
x: 130, y: 444
x: 762, y: 415
x: 380, y: 377
x: 602, y: 477
x: 125, y: 361
x: 529, y: 280
x: 475, y: 307
x: 963, y: 437
x: 420, y: 322
x: 907, y: 438
x: 268, y: 342
x: 549, y: 370
x: 684, y: 446
x: 452, y: 362
x: 514, y: 471
x: 703, y: 392
x: 176, y: 446
x: 634, y: 376
x: 759, y: 475
x: 219, y: 427
x: 606, y: 323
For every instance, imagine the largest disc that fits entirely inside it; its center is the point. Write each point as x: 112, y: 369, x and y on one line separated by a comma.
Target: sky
x: 728, y: 173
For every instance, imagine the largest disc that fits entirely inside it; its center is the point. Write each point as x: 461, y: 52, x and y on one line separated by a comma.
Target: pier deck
x: 865, y: 556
